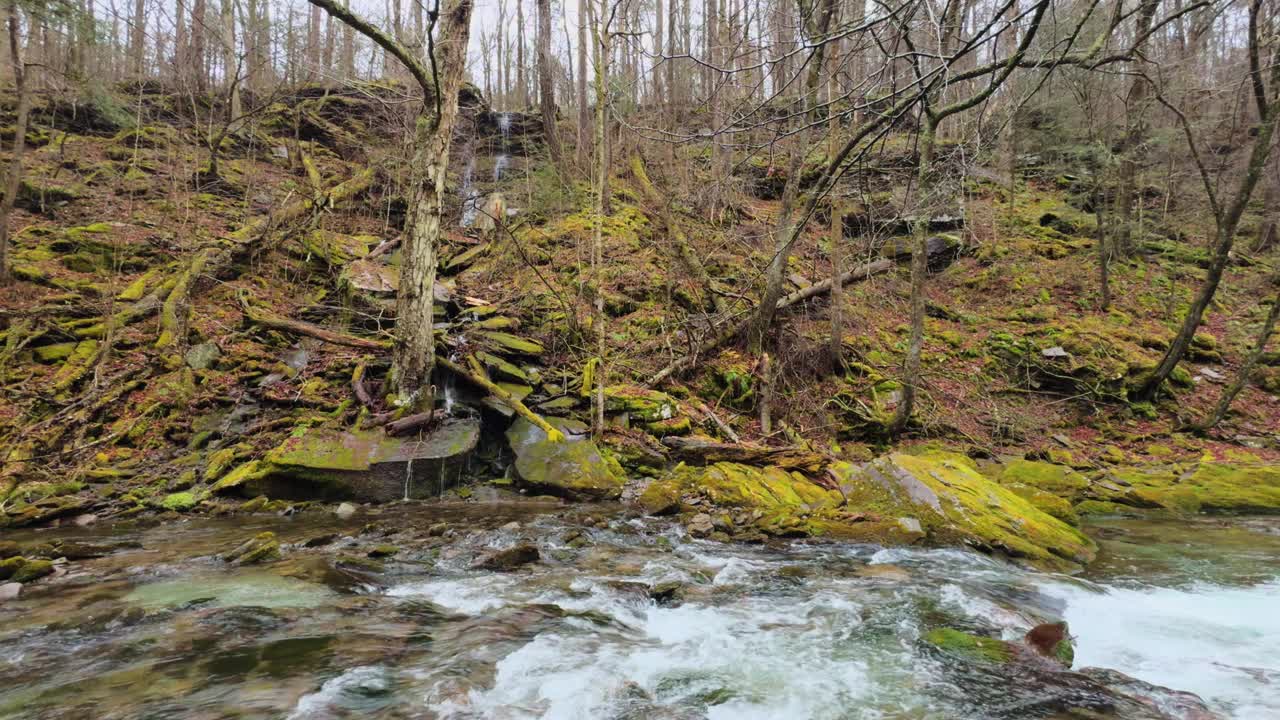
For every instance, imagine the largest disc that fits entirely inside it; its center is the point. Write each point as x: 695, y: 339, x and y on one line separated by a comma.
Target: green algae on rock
x: 575, y: 468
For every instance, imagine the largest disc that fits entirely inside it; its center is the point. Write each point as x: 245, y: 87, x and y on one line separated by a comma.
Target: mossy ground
x: 115, y: 215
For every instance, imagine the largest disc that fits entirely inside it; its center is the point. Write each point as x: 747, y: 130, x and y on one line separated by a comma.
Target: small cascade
x: 470, y: 196
x: 500, y: 160
x: 408, y: 477
x: 450, y: 394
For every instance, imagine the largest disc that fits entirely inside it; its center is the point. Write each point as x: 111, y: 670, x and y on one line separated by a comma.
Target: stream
x: 623, y: 617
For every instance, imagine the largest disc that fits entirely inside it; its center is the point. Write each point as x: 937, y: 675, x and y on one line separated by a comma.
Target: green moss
x: 956, y: 505
x: 180, y: 501
x: 1059, y: 480
x: 969, y: 647
x: 648, y: 406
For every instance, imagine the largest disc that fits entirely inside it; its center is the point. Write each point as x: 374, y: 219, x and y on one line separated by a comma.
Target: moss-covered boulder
x: 751, y: 502
x: 574, y: 468
x: 1210, y: 486
x: 955, y: 504
x: 368, y: 466
x: 1053, y: 489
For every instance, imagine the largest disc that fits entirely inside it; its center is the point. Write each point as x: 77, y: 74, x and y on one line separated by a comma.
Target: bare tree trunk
x: 348, y: 47
x: 14, y: 179
x: 1135, y: 133
x: 546, y: 83
x: 199, y: 76
x: 584, y: 114
x: 230, y: 63
x: 919, y: 269
x: 138, y: 38
x: 522, y: 89
x: 602, y: 42
x: 837, y: 232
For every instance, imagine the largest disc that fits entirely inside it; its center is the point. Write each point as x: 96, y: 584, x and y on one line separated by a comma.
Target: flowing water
x: 160, y: 628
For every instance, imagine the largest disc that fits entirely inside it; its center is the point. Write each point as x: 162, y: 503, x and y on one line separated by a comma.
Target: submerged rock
x: 365, y: 466
x: 574, y: 468
x: 262, y: 547
x: 510, y: 559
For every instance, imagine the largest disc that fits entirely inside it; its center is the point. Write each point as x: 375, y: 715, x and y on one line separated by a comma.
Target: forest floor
x: 112, y: 417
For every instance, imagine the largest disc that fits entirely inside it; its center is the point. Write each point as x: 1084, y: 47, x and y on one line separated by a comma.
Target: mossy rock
x: 1211, y: 486
x: 973, y: 648
x: 646, y: 406
x: 320, y: 464
x: 147, y: 136
x: 180, y: 501
x: 1059, y: 480
x: 957, y: 505
x: 574, y: 468
x: 263, y: 547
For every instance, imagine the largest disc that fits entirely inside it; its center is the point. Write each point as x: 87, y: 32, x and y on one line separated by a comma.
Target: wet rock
x: 10, y: 591
x: 700, y: 525
x: 574, y: 468
x: 320, y: 540
x: 384, y: 551
x: 84, y: 520
x: 1053, y: 641
x: 262, y: 547
x: 1170, y: 703
x: 345, y: 510
x: 509, y: 559
x: 364, y: 466
x: 667, y: 593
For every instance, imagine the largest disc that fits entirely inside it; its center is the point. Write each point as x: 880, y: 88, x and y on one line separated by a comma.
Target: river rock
x: 957, y: 505
x: 262, y: 547
x: 510, y: 559
x: 574, y: 468
x: 345, y: 510
x: 10, y: 591
x: 362, y: 466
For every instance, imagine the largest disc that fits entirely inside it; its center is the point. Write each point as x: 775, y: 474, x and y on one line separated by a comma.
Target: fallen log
x: 275, y: 322
x: 705, y: 452
x: 862, y: 272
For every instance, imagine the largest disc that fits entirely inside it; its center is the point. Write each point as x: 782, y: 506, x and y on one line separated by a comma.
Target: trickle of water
x: 499, y: 164
x: 408, y: 477
x: 450, y: 395
x: 504, y: 124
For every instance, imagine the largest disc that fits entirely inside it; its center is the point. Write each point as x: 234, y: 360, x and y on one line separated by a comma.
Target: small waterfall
x: 500, y: 160
x: 408, y: 477
x: 450, y: 395
x: 470, y: 196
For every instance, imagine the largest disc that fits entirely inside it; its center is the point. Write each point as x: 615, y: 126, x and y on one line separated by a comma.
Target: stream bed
x: 622, y: 617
